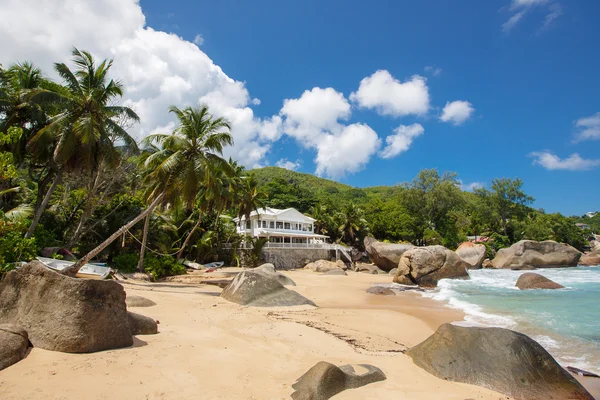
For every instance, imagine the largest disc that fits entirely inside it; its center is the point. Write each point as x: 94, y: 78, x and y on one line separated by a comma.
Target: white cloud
x: 198, y: 40
x: 435, y: 71
x: 469, y: 187
x: 389, y: 96
x: 589, y: 128
x: 313, y: 120
x: 457, y: 112
x: 572, y: 163
x: 401, y: 141
x: 520, y: 8
x: 158, y: 69
x: 287, y: 164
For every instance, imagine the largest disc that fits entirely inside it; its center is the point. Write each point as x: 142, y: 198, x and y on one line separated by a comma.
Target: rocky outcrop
x: 269, y: 270
x: 324, y: 266
x: 385, y: 255
x: 425, y: 266
x: 138, y: 301
x: 471, y: 253
x: 531, y: 280
x: 65, y: 314
x: 142, y: 325
x: 592, y: 258
x: 260, y: 290
x: 13, y: 344
x: 499, y: 359
x: 325, y: 380
x: 546, y: 254
x: 369, y: 269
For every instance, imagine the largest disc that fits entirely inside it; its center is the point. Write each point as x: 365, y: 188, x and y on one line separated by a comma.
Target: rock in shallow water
x: 546, y: 254
x: 13, y: 344
x: 425, y: 266
x: 531, y: 280
x: 499, y: 359
x: 325, y: 380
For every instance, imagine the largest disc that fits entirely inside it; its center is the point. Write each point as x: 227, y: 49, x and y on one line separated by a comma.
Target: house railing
x: 269, y: 245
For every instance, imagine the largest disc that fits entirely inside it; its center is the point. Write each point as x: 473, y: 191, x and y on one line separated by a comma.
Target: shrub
x: 14, y: 247
x: 163, y: 266
x: 126, y: 262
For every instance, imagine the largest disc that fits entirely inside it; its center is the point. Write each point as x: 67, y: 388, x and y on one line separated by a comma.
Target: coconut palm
x: 84, y: 133
x: 353, y: 223
x: 251, y: 198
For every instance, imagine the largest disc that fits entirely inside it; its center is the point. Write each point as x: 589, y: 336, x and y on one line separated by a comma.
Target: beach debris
x: 141, y: 325
x: 14, y: 343
x: 546, y: 254
x: 65, y: 314
x: 425, y: 266
x: 138, y: 301
x: 471, y: 253
x: 269, y: 270
x: 499, y: 359
x: 336, y: 272
x: 582, y: 372
x: 192, y: 265
x: 369, y: 269
x: 531, y: 280
x: 324, y: 266
x: 215, y: 265
x: 324, y: 380
x: 385, y: 255
x: 381, y: 290
x: 261, y: 290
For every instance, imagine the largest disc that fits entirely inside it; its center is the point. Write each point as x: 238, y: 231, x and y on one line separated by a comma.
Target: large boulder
x: 261, y: 290
x: 269, y: 270
x: 13, y: 344
x: 65, y: 314
x: 471, y: 253
x: 142, y: 325
x: 499, y: 359
x: 385, y: 255
x: 323, y: 266
x: 592, y: 258
x: 425, y: 266
x: 529, y: 253
x: 531, y: 280
x: 325, y: 380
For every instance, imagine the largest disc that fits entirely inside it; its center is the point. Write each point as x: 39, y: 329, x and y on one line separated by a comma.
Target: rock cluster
x: 499, y: 359
x: 325, y: 266
x: 531, y: 280
x: 471, y: 253
x: 528, y: 254
x: 325, y: 380
x: 592, y: 258
x: 425, y: 266
x: 385, y: 255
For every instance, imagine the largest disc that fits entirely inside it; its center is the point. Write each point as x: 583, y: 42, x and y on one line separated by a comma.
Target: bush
x: 14, y: 247
x: 163, y: 266
x: 126, y: 262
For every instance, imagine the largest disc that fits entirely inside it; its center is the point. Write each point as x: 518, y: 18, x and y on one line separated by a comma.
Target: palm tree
x: 85, y: 131
x: 251, y: 198
x: 353, y: 223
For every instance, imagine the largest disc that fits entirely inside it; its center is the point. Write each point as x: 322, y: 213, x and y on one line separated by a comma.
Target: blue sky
x: 358, y: 91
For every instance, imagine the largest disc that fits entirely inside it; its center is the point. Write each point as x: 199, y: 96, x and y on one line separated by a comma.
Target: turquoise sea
x: 565, y: 321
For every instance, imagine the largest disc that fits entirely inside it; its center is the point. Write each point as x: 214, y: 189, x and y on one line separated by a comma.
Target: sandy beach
x: 209, y: 348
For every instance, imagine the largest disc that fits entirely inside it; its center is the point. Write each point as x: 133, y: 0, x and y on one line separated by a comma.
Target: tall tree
x: 354, y: 226
x: 251, y: 198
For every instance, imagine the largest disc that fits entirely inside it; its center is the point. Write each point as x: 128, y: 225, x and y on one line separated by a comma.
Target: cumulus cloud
x: 435, y: 71
x: 572, y: 163
x: 589, y: 128
x: 287, y: 164
x: 401, y: 140
x: 316, y: 120
x: 384, y: 93
x: 457, y: 112
x: 158, y: 68
x: 520, y: 8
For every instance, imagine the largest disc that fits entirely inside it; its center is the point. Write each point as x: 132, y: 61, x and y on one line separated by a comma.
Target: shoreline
x: 213, y: 349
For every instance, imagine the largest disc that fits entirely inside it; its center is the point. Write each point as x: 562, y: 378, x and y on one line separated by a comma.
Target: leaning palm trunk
x: 72, y: 270
x: 40, y: 210
x: 140, y: 266
x: 189, y: 236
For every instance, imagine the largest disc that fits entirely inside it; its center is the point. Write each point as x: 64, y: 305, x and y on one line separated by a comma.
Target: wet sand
x: 209, y: 348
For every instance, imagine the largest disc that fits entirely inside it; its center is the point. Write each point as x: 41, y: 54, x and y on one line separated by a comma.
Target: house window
x: 248, y: 226
x: 272, y: 224
x: 264, y: 224
x: 280, y: 225
x: 286, y: 225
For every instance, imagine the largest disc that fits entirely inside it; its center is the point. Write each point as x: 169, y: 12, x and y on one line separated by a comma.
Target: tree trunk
x: 140, y: 266
x: 40, y: 210
x: 88, y: 210
x: 189, y: 236
x: 85, y: 259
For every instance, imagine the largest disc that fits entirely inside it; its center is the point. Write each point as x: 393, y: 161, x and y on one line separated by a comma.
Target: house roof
x: 287, y: 233
x: 276, y: 212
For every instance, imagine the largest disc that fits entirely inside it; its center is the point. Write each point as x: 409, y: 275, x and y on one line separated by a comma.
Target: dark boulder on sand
x: 381, y: 291
x: 499, y: 359
x: 141, y: 325
x: 261, y: 290
x: 13, y: 344
x: 65, y: 314
x: 425, y: 266
x: 531, y: 280
x: 325, y: 380
x: 385, y: 255
x: 138, y: 301
x: 529, y: 253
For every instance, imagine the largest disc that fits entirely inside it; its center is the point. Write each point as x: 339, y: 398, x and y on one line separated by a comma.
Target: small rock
x: 13, y: 344
x: 380, y: 290
x: 141, y: 325
x: 138, y: 301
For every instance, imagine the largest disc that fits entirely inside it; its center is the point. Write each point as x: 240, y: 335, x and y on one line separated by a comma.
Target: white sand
x: 209, y: 348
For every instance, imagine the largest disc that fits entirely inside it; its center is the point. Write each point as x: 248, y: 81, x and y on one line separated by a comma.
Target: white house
x: 280, y: 226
